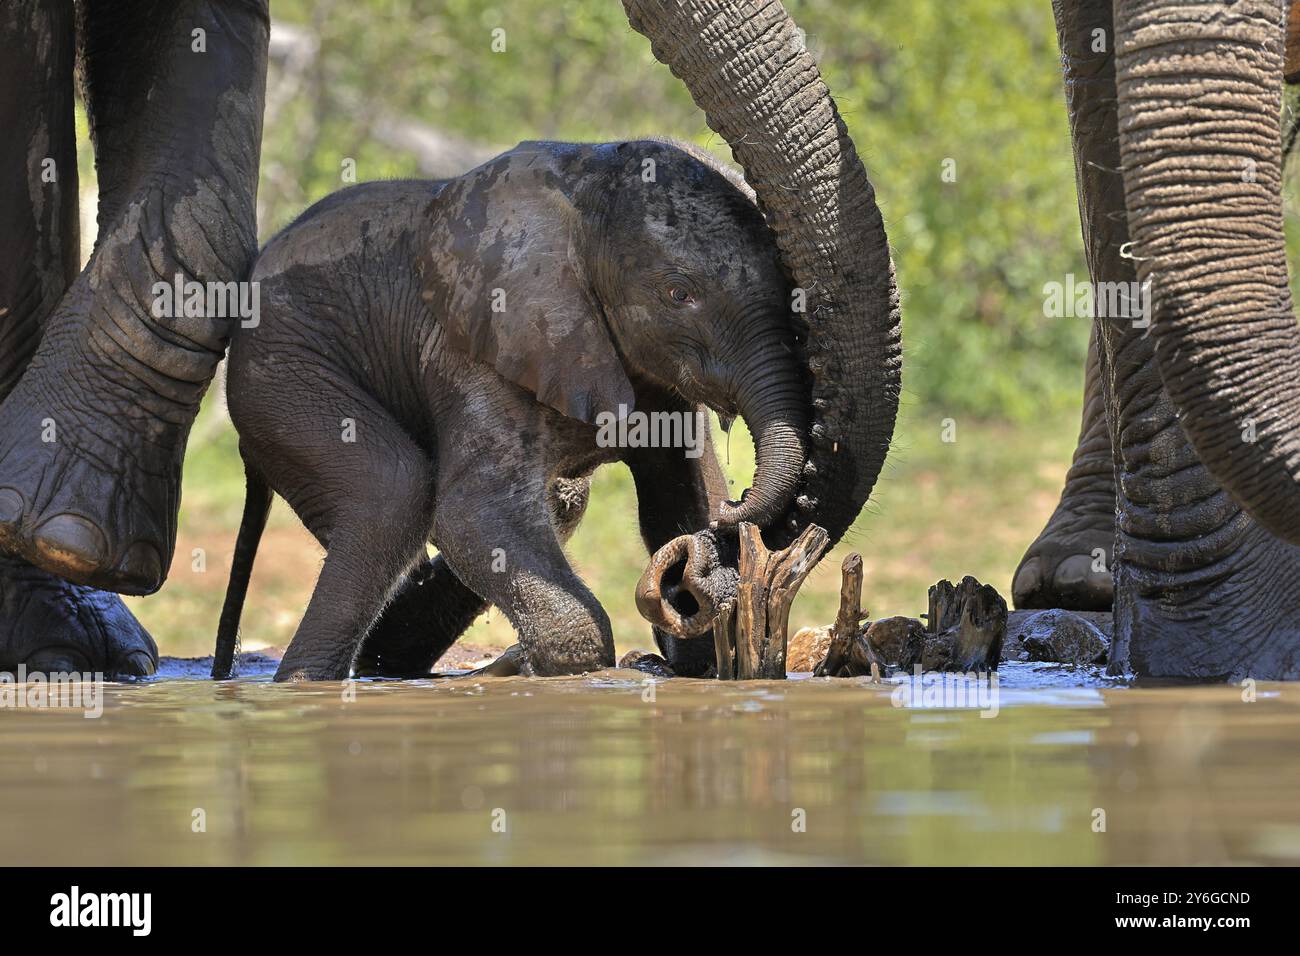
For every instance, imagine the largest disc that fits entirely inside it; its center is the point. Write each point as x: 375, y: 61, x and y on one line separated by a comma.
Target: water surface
x: 616, y: 768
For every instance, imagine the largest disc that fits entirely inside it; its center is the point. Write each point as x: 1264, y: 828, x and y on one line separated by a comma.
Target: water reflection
x: 612, y: 769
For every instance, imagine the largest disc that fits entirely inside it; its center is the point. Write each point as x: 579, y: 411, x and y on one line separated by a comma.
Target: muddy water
x: 611, y: 769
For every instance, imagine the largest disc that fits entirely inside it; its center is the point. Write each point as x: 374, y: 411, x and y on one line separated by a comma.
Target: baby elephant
x: 447, y: 362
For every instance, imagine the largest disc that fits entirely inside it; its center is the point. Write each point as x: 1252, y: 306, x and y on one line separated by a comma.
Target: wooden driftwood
x: 750, y: 633
x: 966, y: 626
x: 850, y: 653
x: 967, y: 623
x: 724, y: 640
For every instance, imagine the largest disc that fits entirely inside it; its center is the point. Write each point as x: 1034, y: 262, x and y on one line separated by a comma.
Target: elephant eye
x: 680, y: 295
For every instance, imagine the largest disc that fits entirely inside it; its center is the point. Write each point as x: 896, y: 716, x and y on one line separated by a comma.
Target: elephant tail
x: 257, y: 505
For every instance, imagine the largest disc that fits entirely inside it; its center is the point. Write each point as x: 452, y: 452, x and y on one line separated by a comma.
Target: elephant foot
x: 510, y: 663
x: 1068, y: 565
x: 90, y: 477
x: 49, y: 625
x: 1235, y: 621
x: 1072, y: 573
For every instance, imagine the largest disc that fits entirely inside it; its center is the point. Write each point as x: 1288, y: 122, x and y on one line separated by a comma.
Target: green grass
x: 941, y: 509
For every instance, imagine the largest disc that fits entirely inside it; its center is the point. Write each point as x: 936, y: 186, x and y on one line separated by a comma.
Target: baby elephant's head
x: 691, y: 284
x: 589, y: 274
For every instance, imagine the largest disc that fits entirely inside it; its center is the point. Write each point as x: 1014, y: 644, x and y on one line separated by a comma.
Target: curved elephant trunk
x: 1200, y: 145
x: 771, y: 403
x: 747, y: 68
x: 677, y: 590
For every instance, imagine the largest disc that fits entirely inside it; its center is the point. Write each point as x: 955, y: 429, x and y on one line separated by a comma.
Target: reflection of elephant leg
x: 677, y: 495
x: 1200, y: 590
x: 498, y: 533
x: 1068, y: 565
x: 92, y: 435
x: 432, y: 608
x: 46, y: 623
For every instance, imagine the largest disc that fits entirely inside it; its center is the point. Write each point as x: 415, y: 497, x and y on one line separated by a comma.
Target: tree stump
x: 750, y: 633
x: 967, y: 623
x: 850, y: 653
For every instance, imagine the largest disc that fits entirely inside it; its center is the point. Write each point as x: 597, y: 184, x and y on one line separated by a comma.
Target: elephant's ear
x: 505, y: 275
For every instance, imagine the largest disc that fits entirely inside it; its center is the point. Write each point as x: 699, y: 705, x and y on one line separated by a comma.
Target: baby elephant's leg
x: 429, y: 611
x: 375, y: 535
x: 499, y: 535
x: 432, y: 607
x: 361, y: 486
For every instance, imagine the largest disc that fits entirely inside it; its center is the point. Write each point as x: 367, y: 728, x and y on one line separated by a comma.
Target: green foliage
x: 976, y: 82
x: 973, y: 89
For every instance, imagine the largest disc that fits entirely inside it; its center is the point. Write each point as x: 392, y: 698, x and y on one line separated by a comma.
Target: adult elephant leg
x: 1068, y: 565
x: 46, y: 623
x: 1200, y: 590
x: 93, y: 434
x: 39, y: 244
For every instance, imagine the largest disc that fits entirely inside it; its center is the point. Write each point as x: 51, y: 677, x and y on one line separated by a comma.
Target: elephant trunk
x: 771, y: 401
x: 748, y: 69
x: 1200, y: 145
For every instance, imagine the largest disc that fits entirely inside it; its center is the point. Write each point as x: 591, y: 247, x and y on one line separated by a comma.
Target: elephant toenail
x: 11, y: 506
x: 141, y: 568
x: 60, y: 660
x: 1074, y: 571
x: 71, y: 544
x: 139, y: 664
x: 1028, y: 580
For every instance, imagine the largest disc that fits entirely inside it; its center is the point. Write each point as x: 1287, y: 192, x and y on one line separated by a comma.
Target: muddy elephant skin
x: 447, y: 362
x: 97, y: 394
x: 1180, y: 509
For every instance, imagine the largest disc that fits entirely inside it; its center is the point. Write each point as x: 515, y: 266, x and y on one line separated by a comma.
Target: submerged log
x: 807, y: 648
x: 750, y: 634
x: 967, y: 624
x: 646, y: 663
x: 850, y: 653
